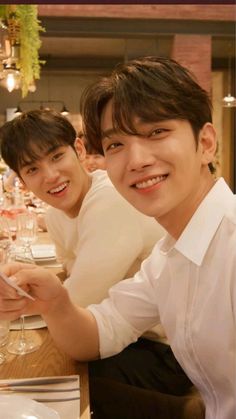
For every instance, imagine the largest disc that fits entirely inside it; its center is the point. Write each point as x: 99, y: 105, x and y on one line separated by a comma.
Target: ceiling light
x: 64, y: 111
x: 18, y: 111
x: 11, y: 77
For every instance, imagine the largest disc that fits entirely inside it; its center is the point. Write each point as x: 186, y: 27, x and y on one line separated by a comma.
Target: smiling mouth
x: 150, y: 182
x: 59, y: 188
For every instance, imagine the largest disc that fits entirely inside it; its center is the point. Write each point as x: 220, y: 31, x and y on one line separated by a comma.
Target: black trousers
x: 143, y: 381
x: 114, y: 400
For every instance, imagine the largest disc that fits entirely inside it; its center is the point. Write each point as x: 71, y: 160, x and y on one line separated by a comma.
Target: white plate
x: 19, y: 407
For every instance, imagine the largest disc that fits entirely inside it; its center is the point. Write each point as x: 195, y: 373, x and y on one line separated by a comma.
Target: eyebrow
x: 49, y: 151
x: 108, y: 133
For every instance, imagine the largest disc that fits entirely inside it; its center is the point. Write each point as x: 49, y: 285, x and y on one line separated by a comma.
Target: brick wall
x: 194, y: 52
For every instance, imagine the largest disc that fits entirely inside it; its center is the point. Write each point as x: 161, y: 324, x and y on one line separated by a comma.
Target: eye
x: 31, y: 170
x: 57, y: 156
x: 157, y: 132
x: 112, y: 146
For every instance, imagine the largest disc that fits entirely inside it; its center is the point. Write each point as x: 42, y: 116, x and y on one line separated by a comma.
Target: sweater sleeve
x: 61, y: 231
x: 109, y: 243
x: 54, y: 229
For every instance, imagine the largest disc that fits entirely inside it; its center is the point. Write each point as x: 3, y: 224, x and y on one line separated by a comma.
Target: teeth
x: 59, y: 188
x: 149, y: 182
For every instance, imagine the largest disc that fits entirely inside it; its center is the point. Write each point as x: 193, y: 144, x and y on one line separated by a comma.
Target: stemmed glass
x: 27, y: 234
x: 5, y: 241
x: 4, y: 331
x: 27, y: 231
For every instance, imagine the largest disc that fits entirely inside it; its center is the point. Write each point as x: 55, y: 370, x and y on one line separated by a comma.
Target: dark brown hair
x: 151, y: 88
x: 27, y: 136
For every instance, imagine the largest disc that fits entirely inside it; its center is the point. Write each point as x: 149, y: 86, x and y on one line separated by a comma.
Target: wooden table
x: 48, y: 360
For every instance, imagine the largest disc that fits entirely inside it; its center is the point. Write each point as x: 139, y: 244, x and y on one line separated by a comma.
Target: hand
x: 44, y: 286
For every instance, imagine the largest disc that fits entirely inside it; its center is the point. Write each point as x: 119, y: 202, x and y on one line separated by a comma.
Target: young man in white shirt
x: 153, y: 122
x: 100, y: 238
x: 87, y: 219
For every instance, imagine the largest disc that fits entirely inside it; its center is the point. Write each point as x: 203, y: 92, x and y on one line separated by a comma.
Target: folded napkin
x: 40, y: 254
x: 63, y: 397
x: 43, y: 251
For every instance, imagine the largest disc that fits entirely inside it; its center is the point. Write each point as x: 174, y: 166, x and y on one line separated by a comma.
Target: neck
x: 178, y: 218
x: 74, y: 211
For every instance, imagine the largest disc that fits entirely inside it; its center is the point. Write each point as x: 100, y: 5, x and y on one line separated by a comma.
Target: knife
x: 34, y: 389
x: 55, y: 400
x: 38, y: 381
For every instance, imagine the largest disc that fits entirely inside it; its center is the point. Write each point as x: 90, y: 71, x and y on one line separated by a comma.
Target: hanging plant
x: 24, y: 29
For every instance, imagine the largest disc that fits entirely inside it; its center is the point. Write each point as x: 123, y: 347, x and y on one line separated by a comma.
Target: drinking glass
x: 22, y: 344
x: 4, y: 332
x: 27, y: 231
x: 5, y: 243
x: 5, y: 239
x: 27, y: 234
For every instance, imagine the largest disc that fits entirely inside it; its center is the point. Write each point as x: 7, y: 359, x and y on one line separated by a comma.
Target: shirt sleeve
x: 109, y: 242
x: 130, y: 310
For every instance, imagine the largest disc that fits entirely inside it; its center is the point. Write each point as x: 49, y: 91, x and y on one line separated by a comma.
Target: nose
x: 50, y: 173
x: 139, y: 155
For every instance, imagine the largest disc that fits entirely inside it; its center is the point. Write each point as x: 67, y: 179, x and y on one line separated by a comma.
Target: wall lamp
x: 229, y: 101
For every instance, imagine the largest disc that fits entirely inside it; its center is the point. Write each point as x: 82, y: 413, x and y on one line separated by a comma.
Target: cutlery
x: 38, y: 381
x: 56, y: 400
x: 36, y: 389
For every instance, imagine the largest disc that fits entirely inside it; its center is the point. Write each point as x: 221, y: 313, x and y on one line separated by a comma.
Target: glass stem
x: 22, y: 328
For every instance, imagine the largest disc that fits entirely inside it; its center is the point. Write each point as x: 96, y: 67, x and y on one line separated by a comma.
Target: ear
x: 207, y: 141
x: 80, y: 149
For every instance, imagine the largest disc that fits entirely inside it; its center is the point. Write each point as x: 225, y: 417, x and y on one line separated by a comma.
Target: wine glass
x: 26, y: 233
x: 4, y: 324
x: 6, y: 242
x: 4, y: 332
x: 23, y: 344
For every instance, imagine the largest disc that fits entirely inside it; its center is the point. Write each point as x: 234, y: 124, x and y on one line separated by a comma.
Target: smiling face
x: 94, y: 162
x: 58, y: 178
x: 160, y: 171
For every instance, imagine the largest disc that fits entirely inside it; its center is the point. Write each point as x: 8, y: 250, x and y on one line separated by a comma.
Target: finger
x: 9, y: 305
x: 11, y: 315
x: 6, y: 291
x: 14, y: 267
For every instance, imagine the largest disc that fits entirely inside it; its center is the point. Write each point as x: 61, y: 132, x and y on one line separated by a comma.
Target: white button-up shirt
x: 190, y: 286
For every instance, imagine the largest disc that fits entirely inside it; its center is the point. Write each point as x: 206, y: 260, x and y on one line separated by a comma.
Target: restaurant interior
x: 82, y: 42
x: 77, y: 45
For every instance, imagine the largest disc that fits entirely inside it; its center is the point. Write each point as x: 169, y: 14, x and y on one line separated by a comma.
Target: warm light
x: 11, y: 77
x: 10, y: 82
x: 32, y: 87
x: 42, y: 105
x: 18, y: 111
x: 229, y: 101
x: 64, y: 111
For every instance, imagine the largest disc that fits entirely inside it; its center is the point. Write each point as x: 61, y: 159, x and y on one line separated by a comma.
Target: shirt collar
x: 196, y: 237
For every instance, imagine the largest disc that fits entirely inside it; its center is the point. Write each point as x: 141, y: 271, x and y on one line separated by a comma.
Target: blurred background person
x: 93, y: 160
